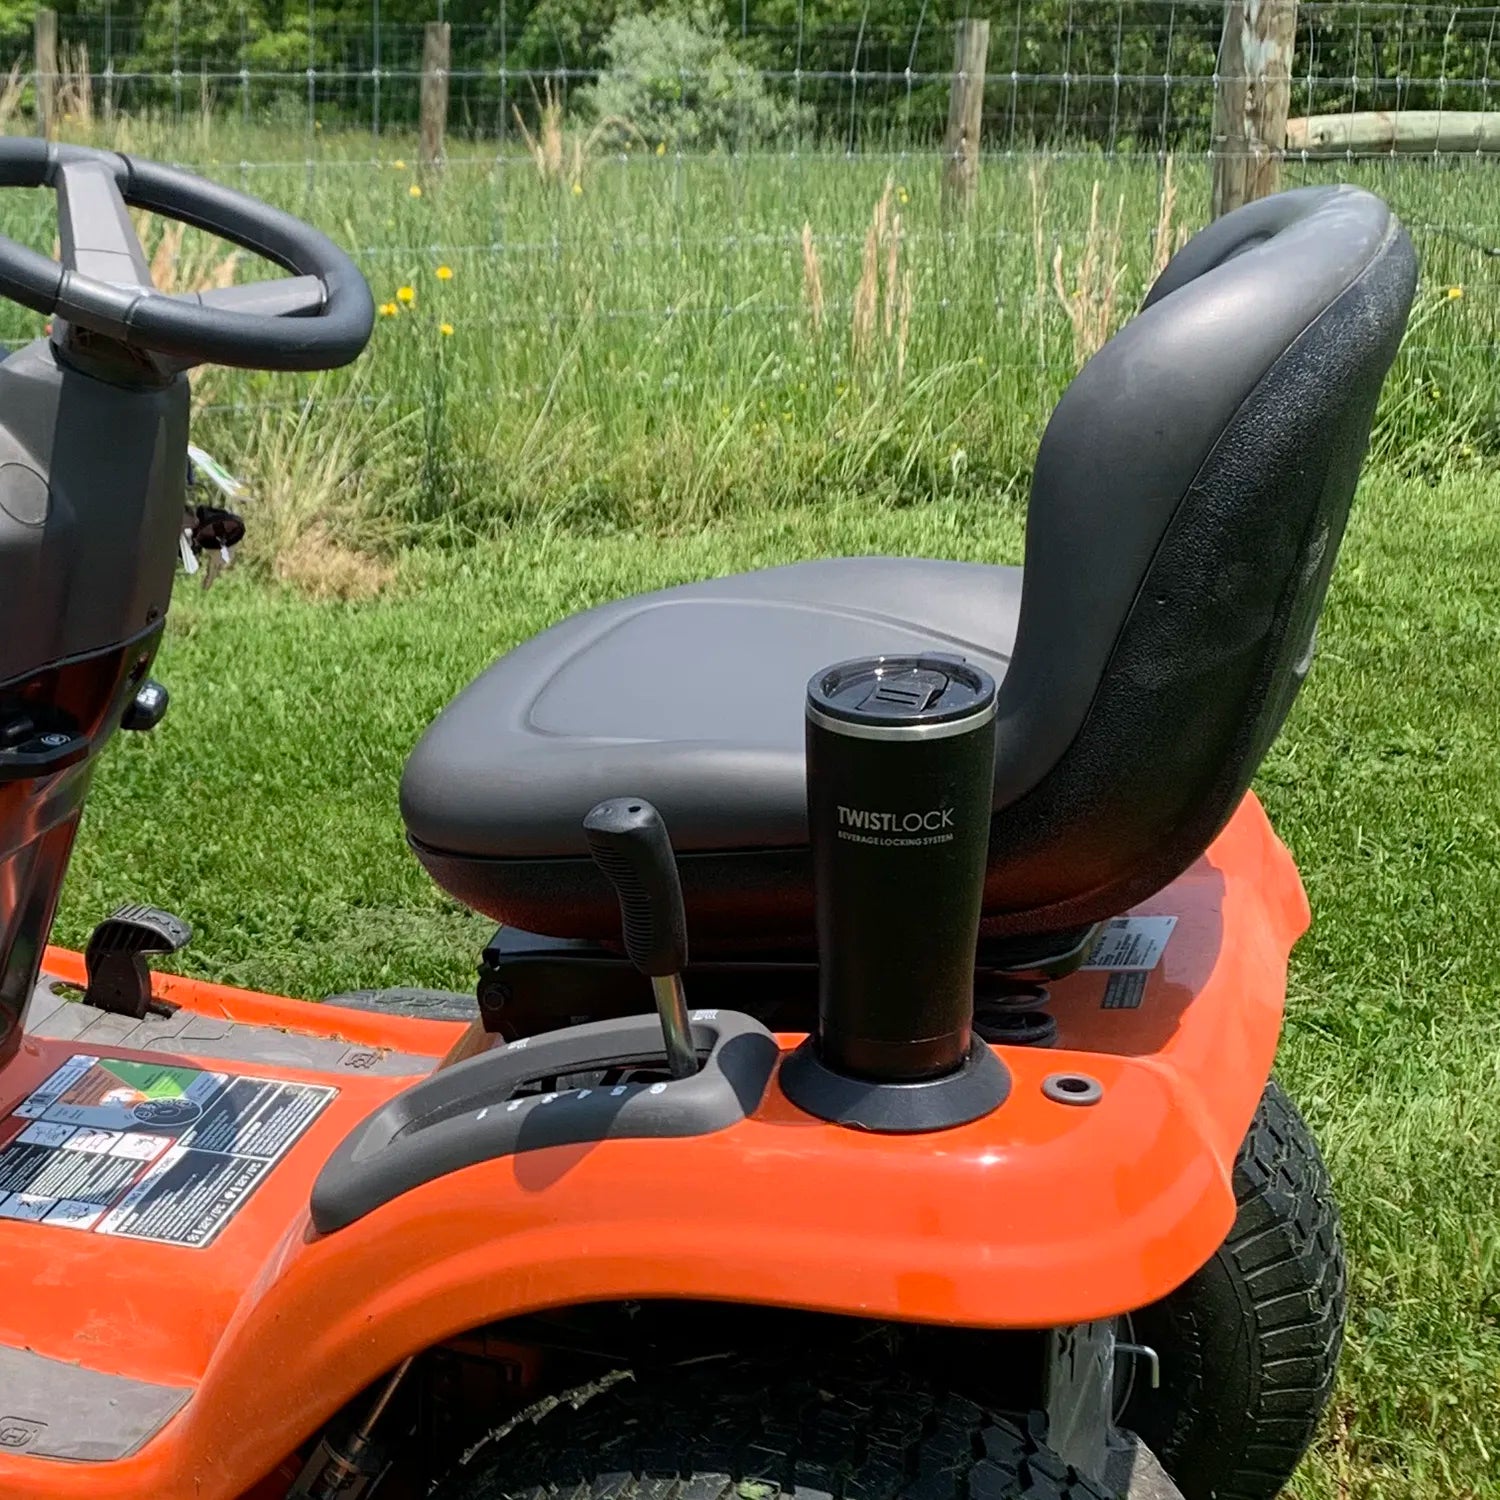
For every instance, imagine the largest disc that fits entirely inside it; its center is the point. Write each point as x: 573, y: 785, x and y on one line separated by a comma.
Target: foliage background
x: 1413, y: 55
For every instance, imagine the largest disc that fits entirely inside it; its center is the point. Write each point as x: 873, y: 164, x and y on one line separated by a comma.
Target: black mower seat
x: 1189, y: 497
x: 692, y: 697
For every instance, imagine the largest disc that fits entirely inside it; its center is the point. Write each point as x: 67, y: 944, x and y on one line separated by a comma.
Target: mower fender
x: 1056, y: 1209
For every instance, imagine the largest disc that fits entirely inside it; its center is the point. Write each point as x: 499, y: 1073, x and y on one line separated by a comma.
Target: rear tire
x: 752, y: 1432
x: 1249, y: 1345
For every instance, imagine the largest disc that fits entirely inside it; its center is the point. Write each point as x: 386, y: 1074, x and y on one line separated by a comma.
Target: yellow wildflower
x: 1454, y: 293
x: 578, y: 190
x: 405, y: 294
x: 400, y: 166
x: 444, y: 273
x: 415, y: 190
x: 903, y: 195
x: 388, y: 309
x: 661, y: 148
x: 446, y: 329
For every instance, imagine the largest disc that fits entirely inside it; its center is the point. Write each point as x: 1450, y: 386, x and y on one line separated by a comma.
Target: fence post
x: 971, y: 47
x: 1252, y: 89
x: 435, y: 57
x: 46, y: 71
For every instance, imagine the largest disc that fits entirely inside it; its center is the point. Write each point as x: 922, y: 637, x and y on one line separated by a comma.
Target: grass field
x: 641, y: 386
x: 643, y: 340
x: 264, y: 810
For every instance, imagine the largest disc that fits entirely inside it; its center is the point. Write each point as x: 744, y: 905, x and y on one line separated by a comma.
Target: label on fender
x: 1131, y: 943
x: 1124, y: 990
x: 134, y: 1148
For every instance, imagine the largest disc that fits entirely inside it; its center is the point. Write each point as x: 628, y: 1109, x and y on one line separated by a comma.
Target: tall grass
x: 632, y: 338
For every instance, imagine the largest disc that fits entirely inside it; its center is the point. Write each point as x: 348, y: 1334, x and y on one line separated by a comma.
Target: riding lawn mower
x: 867, y: 1092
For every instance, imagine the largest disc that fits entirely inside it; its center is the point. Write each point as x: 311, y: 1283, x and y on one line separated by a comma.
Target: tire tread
x: 1280, y: 1275
x: 753, y: 1432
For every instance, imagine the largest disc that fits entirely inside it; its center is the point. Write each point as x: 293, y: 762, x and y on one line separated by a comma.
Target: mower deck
x: 183, y: 1340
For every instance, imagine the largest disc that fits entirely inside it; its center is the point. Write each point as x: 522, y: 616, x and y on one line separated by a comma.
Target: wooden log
x: 971, y: 49
x: 1381, y: 132
x: 1251, y: 95
x: 46, y: 70
x: 436, y: 53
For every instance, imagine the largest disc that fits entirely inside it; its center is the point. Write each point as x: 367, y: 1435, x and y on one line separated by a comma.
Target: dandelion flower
x: 444, y: 273
x: 578, y: 190
x: 405, y: 294
x: 446, y: 329
x: 415, y: 190
x: 388, y: 309
x: 904, y: 196
x: 661, y: 148
x: 1454, y: 293
x: 400, y: 166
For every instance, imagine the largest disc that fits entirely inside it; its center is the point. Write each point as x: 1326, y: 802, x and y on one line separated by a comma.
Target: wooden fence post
x: 1253, y: 87
x: 971, y: 47
x: 45, y: 70
x: 436, y: 52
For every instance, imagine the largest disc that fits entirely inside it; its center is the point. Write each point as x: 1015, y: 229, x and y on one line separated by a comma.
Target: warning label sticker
x: 151, y: 1152
x: 1131, y: 943
x: 1124, y: 990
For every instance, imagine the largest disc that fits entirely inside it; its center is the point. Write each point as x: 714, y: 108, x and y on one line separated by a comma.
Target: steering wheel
x: 318, y: 318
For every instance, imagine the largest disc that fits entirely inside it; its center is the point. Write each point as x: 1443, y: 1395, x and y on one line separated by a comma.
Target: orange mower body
x: 235, y: 1351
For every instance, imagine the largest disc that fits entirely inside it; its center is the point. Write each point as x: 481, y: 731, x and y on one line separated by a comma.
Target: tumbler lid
x: 927, y: 696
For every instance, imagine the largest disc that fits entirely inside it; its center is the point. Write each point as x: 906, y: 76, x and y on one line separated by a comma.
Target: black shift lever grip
x: 629, y: 843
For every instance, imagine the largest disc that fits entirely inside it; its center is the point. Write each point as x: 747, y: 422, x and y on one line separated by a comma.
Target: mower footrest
x: 1134, y: 1472
x: 57, y: 1409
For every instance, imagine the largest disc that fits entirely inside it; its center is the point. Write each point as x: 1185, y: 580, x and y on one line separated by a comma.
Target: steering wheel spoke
x: 286, y: 297
x: 94, y: 229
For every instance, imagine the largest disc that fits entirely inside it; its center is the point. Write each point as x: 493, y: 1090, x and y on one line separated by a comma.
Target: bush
x: 674, y: 77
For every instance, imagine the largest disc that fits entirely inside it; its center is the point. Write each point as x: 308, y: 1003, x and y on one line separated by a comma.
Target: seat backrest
x: 1189, y: 497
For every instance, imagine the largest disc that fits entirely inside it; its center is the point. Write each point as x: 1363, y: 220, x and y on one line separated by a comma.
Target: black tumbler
x: 900, y: 785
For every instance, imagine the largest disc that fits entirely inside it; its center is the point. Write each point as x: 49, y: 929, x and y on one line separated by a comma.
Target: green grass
x: 641, y: 352
x: 264, y: 810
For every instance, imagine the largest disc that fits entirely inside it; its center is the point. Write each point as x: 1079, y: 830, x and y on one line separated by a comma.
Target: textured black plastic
x: 1218, y: 636
x: 976, y: 1089
x: 529, y: 983
x: 471, y: 1112
x: 139, y: 929
x: 901, y: 690
x: 1188, y: 502
x: 629, y: 843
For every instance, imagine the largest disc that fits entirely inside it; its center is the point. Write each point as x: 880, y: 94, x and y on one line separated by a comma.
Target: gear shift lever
x: 629, y: 843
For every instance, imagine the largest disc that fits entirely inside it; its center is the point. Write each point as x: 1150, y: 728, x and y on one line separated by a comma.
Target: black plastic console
x: 491, y: 1106
x: 530, y: 984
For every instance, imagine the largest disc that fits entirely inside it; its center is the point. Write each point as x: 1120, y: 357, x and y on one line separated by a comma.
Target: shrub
x: 675, y: 78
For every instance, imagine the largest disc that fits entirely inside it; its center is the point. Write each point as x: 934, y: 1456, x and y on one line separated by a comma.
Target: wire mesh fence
x: 647, y: 226
x: 1118, y: 74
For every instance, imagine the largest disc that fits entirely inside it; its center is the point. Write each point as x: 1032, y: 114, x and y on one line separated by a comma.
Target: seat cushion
x: 692, y: 698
